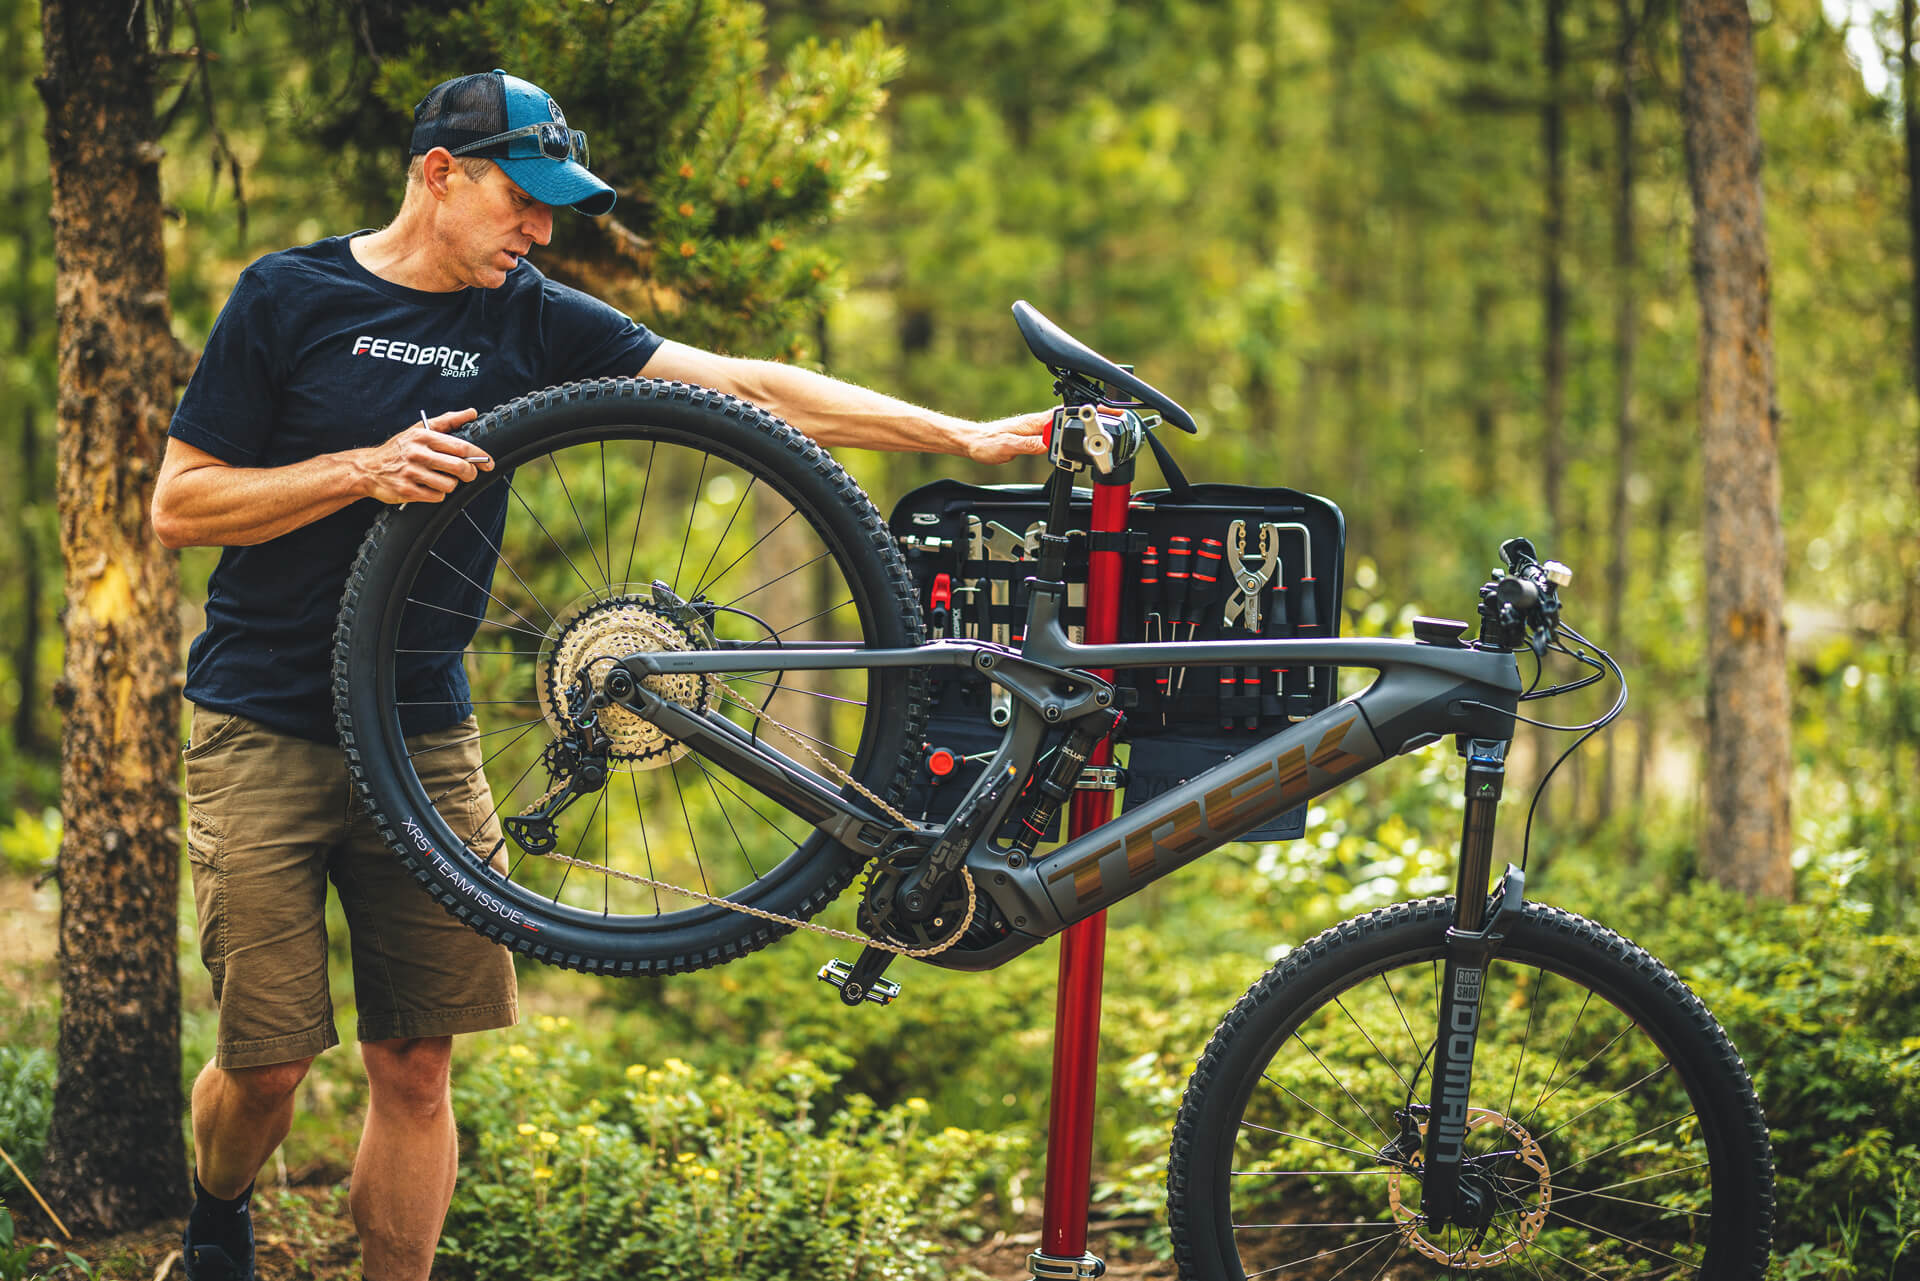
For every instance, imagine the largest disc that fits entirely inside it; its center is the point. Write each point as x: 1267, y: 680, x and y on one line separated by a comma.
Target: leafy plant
x: 681, y: 1173
x: 26, y: 1106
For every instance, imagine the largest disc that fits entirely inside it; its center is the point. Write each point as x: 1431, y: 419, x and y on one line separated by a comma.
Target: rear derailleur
x: 576, y: 766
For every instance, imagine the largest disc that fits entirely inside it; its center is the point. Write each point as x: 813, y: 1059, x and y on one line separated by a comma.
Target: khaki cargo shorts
x: 271, y: 820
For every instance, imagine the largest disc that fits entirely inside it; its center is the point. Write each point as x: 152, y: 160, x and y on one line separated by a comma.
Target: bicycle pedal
x: 838, y: 972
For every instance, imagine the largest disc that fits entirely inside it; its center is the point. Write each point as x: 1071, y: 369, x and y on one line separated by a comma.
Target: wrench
x: 998, y: 543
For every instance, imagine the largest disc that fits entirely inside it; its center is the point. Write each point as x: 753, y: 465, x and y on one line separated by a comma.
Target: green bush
x: 26, y: 1105
x: 1823, y: 1014
x: 679, y: 1173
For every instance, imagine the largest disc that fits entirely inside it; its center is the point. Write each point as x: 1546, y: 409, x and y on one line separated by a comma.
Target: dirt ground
x: 303, y: 1234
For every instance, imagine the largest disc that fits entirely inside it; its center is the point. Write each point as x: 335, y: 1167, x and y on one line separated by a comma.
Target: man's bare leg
x: 403, y: 1176
x: 240, y: 1115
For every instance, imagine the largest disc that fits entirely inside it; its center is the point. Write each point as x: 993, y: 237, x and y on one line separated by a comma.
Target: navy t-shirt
x: 314, y: 354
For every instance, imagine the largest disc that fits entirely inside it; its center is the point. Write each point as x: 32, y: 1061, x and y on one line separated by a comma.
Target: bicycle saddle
x: 1061, y: 352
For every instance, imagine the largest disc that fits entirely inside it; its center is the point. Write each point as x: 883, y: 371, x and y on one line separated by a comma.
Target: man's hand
x: 422, y: 464
x: 1004, y: 439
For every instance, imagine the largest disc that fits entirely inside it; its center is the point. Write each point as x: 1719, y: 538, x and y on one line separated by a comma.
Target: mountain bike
x: 698, y: 677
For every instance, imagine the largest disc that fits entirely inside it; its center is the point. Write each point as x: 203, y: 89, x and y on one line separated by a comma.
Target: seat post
x: 1083, y: 947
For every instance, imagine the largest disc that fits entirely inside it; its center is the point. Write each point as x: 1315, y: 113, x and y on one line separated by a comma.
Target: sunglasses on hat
x: 557, y: 142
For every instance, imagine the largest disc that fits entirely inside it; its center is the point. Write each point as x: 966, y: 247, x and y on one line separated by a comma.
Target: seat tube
x: 1083, y: 947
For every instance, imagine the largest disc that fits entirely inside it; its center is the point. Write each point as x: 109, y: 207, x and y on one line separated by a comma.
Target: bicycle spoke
x: 646, y: 846
x: 1372, y: 1244
x: 1310, y: 1107
x: 483, y: 590
x: 693, y: 841
x: 557, y: 545
x: 1343, y: 1086
x: 474, y: 618
x: 606, y: 578
x: 693, y: 509
x: 701, y: 581
x: 640, y: 509
x: 500, y: 557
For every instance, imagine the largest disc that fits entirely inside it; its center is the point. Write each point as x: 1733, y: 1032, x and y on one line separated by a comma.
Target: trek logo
x: 453, y: 363
x: 1237, y: 805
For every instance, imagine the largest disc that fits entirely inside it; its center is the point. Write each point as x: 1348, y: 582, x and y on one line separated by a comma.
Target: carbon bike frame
x: 1424, y: 692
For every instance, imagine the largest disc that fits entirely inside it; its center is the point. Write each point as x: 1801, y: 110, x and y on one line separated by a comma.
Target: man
x: 300, y: 409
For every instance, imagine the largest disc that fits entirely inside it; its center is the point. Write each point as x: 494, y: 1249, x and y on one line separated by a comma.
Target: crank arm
x: 781, y: 779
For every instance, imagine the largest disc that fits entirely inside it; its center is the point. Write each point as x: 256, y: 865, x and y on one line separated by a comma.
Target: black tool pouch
x: 971, y: 548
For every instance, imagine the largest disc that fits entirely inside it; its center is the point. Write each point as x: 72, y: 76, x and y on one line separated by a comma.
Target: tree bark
x: 1747, y: 777
x: 115, y: 1159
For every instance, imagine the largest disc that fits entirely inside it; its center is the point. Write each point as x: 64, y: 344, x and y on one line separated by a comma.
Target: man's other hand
x: 424, y: 463
x: 1005, y: 439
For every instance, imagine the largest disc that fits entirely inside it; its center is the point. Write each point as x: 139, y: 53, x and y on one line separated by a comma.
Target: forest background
x: 1403, y: 254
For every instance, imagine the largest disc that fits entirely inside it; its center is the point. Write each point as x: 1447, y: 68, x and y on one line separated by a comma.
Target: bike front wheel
x: 1612, y: 1128
x: 621, y: 516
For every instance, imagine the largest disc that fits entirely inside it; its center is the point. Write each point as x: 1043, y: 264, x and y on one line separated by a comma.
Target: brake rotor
x: 1520, y: 1210
x: 591, y: 635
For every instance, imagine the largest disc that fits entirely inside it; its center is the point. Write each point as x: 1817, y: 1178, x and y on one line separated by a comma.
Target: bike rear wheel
x: 1612, y: 1128
x: 531, y: 580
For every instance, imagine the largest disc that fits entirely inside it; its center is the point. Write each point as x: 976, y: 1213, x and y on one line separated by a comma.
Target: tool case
x: 971, y: 549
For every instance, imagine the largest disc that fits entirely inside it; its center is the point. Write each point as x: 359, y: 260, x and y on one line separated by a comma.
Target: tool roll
x: 1206, y: 562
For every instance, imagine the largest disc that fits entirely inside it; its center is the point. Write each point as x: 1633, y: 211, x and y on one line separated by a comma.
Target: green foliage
x: 31, y: 842
x: 36, y: 1261
x: 681, y: 1172
x: 26, y: 1108
x: 728, y: 167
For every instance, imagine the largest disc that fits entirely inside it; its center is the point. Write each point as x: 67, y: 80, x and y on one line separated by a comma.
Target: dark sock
x: 219, y: 1222
x: 215, y: 1205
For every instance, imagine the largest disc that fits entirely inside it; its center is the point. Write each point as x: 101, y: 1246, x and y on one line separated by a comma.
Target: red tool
x: 940, y: 604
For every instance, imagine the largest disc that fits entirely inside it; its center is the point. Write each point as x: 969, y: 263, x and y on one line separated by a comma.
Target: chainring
x: 878, y: 919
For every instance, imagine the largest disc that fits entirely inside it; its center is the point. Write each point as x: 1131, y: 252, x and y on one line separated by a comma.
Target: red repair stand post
x: 1083, y: 954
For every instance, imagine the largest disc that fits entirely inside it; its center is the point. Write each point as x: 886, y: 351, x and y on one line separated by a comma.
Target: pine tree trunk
x: 1626, y: 342
x: 26, y: 326
x: 1747, y: 776
x: 114, y: 1156
x: 1910, y: 554
x: 1554, y: 285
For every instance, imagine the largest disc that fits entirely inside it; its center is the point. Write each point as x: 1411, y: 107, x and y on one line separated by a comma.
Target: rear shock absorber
x: 1052, y: 791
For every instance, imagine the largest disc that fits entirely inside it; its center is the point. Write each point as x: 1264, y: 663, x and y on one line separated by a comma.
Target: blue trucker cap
x: 519, y: 127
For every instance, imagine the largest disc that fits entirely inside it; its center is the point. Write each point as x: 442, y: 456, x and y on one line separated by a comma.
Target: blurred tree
x: 1746, y: 842
x: 114, y: 1156
x: 727, y: 169
x: 26, y: 373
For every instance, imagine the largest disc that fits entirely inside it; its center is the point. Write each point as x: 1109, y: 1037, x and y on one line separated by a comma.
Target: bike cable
x: 1585, y: 731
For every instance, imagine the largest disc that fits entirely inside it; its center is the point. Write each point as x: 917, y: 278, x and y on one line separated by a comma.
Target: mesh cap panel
x: 459, y: 112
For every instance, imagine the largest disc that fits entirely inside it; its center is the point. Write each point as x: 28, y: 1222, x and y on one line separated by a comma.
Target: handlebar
x: 1521, y: 605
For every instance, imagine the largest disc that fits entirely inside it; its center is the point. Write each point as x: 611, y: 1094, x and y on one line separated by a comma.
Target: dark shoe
x: 216, y: 1261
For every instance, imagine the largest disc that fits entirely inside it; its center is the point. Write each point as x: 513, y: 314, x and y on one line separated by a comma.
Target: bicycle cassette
x: 591, y: 635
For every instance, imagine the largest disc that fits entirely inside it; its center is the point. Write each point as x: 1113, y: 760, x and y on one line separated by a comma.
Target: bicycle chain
x: 634, y: 615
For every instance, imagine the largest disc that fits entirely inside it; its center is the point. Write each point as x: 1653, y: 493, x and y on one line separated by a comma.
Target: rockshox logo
x: 453, y: 363
x: 1462, y: 1025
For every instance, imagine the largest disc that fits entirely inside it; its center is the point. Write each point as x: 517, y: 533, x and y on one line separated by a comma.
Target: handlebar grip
x: 1519, y: 593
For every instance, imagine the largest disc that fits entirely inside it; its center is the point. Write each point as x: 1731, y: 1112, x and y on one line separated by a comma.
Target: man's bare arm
x: 202, y: 501
x: 836, y: 413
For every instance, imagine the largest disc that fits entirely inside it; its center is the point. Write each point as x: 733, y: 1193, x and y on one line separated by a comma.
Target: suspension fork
x: 1479, y: 925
